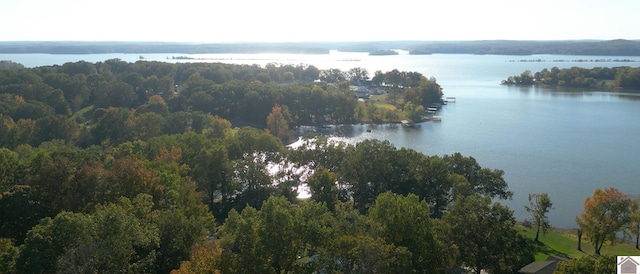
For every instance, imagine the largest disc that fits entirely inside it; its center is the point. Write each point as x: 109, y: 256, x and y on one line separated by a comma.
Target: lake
x: 565, y: 143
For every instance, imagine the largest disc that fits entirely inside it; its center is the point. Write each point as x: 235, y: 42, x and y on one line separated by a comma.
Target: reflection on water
x: 563, y: 143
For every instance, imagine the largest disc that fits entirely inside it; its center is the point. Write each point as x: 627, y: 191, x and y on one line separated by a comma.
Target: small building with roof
x: 546, y: 267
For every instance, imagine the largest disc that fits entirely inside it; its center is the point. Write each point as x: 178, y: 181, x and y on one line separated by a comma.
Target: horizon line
x: 301, y: 42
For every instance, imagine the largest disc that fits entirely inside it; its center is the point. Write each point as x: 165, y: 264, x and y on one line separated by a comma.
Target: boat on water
x: 407, y: 123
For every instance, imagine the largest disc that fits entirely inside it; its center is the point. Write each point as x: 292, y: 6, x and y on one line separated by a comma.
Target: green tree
x: 8, y: 131
x: 241, y: 242
x: 539, y: 206
x: 283, y: 243
x: 50, y: 239
x: 320, y: 152
x: 51, y: 179
x: 8, y: 256
x: 406, y: 222
x: 606, y: 213
x: 276, y: 237
x: 332, y: 76
x: 11, y: 169
x: 57, y: 127
x: 56, y: 100
x: 425, y: 93
x: 363, y: 254
x: 482, y: 181
x: 213, y: 172
x: 19, y: 212
x: 357, y: 75
x: 179, y: 230
x: 115, y: 238
x: 322, y: 187
x: 310, y: 73
x: 253, y: 180
x: 118, y: 94
x: 588, y: 265
x: 112, y: 124
x: 369, y: 171
x: 251, y: 140
x: 428, y: 177
x: 413, y: 112
x: 485, y: 236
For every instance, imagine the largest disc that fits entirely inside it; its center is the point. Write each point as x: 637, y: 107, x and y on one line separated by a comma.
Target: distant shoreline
x: 618, y: 47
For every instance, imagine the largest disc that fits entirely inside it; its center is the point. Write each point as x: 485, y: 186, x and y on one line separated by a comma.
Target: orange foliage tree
x: 277, y: 124
x: 204, y: 258
x: 606, y: 213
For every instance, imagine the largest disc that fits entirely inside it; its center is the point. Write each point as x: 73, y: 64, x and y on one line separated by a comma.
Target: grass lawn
x: 386, y: 106
x: 564, y: 243
x: 79, y: 116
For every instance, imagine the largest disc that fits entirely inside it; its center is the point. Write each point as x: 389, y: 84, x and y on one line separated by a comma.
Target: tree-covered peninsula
x: 598, y: 77
x: 115, y: 101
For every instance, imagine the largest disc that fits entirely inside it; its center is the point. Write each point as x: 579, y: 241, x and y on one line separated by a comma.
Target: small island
x: 598, y: 77
x: 382, y: 52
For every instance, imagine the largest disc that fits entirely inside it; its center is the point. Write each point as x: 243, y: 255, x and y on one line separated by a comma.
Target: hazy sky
x: 325, y: 20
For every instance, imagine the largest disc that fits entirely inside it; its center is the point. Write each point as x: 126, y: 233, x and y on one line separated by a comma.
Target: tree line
x: 619, y: 47
x: 115, y: 101
x: 615, y: 77
x: 157, y: 205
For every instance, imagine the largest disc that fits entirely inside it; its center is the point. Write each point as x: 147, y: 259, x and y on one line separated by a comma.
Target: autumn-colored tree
x: 277, y: 124
x: 204, y: 258
x: 633, y: 228
x: 129, y: 177
x: 604, y: 215
x: 147, y: 125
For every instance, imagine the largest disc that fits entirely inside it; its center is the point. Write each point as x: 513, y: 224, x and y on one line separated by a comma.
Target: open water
x: 566, y: 143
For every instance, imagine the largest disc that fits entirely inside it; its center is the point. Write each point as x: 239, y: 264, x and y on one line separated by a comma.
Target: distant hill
x: 618, y: 47
x: 157, y: 47
x: 581, y: 47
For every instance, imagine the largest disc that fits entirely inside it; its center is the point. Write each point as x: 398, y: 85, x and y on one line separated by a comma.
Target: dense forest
x: 150, y: 167
x: 116, y: 101
x: 598, y: 77
x: 502, y: 47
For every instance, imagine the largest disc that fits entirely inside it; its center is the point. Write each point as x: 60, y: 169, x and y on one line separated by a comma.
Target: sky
x: 325, y: 20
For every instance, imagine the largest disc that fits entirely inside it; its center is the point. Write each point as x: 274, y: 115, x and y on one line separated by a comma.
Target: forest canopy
x: 603, y: 77
x: 116, y: 101
x: 150, y: 167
